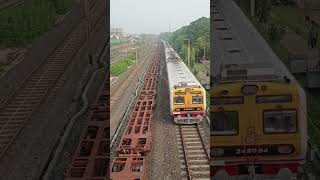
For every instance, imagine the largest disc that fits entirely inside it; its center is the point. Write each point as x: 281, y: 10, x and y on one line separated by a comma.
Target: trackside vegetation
x: 123, y: 64
x: 198, y: 34
x: 22, y: 24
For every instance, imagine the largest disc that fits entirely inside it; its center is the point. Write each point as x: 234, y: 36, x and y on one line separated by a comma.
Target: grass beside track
x: 21, y: 25
x: 116, y: 42
x: 122, y: 66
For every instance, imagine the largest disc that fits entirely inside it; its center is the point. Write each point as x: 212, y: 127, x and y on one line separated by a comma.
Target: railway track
x: 131, y: 160
x: 118, y: 93
x: 194, y: 156
x: 125, y: 81
x: 115, y: 60
x: 35, y: 88
x: 91, y: 158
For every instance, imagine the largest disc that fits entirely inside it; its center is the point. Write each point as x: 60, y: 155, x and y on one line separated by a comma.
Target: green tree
x: 201, y: 44
x: 62, y: 6
x: 275, y: 32
x: 192, y: 57
x: 263, y: 10
x: 22, y: 24
x: 198, y: 32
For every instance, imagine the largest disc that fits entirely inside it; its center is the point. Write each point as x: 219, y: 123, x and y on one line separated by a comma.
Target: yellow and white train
x: 187, y: 96
x: 258, y: 120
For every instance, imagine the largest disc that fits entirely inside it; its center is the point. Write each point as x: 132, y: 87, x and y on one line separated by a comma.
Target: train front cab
x: 258, y: 126
x: 188, y: 105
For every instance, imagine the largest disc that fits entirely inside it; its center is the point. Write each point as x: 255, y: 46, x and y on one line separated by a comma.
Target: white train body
x: 181, y: 80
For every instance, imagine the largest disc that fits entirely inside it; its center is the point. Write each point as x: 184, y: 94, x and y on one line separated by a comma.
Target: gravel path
x: 164, y: 157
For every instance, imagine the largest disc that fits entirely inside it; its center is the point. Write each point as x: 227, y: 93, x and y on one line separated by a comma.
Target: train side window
x: 279, y: 121
x: 197, y: 99
x: 224, y: 123
x: 179, y: 100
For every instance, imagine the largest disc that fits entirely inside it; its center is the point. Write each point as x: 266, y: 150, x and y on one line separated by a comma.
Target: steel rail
x: 120, y: 123
x: 34, y: 89
x: 185, y: 154
x: 202, y: 142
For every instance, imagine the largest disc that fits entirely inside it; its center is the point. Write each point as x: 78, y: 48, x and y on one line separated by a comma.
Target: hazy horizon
x: 154, y: 16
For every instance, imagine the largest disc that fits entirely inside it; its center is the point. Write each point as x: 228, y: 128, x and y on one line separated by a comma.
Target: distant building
x: 117, y: 33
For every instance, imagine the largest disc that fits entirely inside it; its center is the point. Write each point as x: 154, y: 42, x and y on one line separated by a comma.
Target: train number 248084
x: 252, y: 150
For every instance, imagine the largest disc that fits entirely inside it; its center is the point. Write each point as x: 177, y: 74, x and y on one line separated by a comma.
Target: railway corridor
x: 194, y: 155
x: 123, y: 90
x: 132, y: 151
x: 149, y: 141
x: 175, y: 155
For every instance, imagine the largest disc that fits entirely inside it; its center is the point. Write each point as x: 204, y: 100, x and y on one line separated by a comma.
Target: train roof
x: 179, y: 74
x: 239, y: 51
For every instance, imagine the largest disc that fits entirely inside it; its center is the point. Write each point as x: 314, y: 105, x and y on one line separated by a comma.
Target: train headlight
x: 177, y: 109
x: 216, y: 152
x: 285, y: 149
x: 199, y: 109
x: 249, y: 89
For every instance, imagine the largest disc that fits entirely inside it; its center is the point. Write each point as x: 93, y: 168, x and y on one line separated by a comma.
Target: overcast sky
x: 154, y: 16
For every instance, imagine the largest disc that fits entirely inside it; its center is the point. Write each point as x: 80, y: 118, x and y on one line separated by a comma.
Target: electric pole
x: 170, y: 34
x: 204, y: 53
x: 88, y: 31
x: 136, y: 55
x: 188, y: 52
x: 252, y: 7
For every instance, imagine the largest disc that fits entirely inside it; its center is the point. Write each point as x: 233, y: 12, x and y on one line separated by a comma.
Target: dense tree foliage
x: 62, y: 6
x: 198, y: 32
x: 22, y: 24
x: 273, y: 29
x: 263, y: 10
x: 275, y: 32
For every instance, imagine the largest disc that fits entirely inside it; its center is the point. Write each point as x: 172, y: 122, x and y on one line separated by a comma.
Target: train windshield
x: 280, y: 121
x: 179, y: 100
x: 197, y: 99
x: 224, y: 123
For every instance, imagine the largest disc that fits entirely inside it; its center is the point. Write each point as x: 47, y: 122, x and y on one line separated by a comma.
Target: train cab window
x: 280, y: 121
x: 179, y: 100
x: 224, y: 123
x: 197, y: 99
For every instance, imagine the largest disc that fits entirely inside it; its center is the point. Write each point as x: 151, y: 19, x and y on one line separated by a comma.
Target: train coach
x: 258, y: 110
x: 187, y: 96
